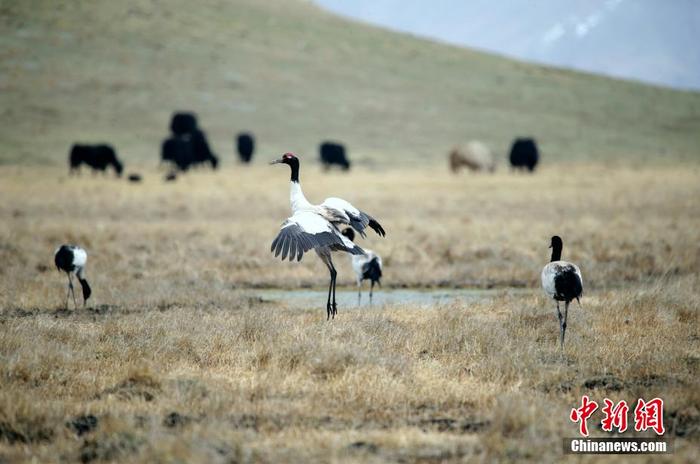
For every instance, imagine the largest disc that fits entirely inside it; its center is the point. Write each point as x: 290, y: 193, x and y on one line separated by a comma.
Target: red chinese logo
x: 649, y: 415
x: 615, y: 416
x: 583, y: 413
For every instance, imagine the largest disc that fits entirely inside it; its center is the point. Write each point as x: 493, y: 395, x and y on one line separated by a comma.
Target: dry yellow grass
x: 178, y: 360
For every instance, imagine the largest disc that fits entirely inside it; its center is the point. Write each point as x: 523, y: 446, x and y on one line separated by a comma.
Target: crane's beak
x: 276, y: 161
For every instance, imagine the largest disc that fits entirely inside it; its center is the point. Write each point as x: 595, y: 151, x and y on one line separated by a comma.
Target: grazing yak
x: 245, y: 145
x: 475, y: 156
x: 98, y: 157
x: 177, y: 150
x: 183, y: 123
x: 188, y: 145
x: 524, y: 154
x: 333, y: 153
x: 201, y: 151
x: 185, y: 152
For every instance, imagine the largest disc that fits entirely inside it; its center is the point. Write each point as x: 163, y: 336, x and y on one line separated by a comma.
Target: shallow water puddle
x: 390, y: 297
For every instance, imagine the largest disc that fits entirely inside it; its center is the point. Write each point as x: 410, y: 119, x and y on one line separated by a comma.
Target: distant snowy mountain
x: 654, y: 41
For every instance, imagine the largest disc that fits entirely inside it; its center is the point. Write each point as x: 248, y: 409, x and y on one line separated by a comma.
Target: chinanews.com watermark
x: 647, y: 415
x: 616, y: 445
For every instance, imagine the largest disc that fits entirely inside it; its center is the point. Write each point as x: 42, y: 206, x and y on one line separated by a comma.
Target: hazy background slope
x: 646, y: 40
x: 293, y: 74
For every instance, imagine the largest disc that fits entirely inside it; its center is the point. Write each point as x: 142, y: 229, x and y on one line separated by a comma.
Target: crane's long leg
x: 68, y: 291
x: 70, y: 284
x: 563, y: 324
x: 334, y: 276
x: 359, y: 292
x: 325, y: 255
x: 329, y: 310
x: 371, y: 289
x: 326, y: 258
x: 561, y: 320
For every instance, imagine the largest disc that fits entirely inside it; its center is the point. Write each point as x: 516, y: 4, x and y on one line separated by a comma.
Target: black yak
x: 200, y: 149
x: 183, y: 123
x: 245, y: 144
x: 98, y: 157
x: 187, y: 151
x: 524, y: 154
x: 333, y: 153
x: 177, y: 150
x: 188, y: 145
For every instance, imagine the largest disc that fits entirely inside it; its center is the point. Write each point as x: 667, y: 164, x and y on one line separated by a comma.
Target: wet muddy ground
x: 348, y: 299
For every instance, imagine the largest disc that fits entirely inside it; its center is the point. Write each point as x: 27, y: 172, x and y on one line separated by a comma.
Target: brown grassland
x: 178, y: 359
x: 181, y: 354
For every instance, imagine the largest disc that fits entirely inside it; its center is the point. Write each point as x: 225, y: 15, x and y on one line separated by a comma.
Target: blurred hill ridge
x: 645, y: 40
x: 295, y: 75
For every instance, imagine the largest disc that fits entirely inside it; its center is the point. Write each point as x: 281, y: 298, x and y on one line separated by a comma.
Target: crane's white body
x: 316, y: 226
x: 359, y: 261
x: 79, y: 259
x: 333, y: 212
x: 554, y: 269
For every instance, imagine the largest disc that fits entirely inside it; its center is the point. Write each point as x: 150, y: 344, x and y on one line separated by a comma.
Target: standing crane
x: 561, y: 281
x: 317, y: 226
x: 71, y: 259
x: 366, y: 267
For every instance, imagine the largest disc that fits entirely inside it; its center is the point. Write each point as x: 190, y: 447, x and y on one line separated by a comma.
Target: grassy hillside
x: 294, y: 74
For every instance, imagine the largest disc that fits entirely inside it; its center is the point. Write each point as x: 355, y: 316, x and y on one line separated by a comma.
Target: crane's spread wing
x: 340, y: 211
x: 306, y: 230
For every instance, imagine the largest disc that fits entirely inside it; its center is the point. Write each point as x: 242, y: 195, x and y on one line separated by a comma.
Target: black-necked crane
x: 71, y: 259
x: 317, y: 226
x: 561, y: 281
x: 367, y: 267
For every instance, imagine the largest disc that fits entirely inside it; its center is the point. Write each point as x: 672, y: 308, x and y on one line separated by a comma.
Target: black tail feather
x: 372, y: 271
x: 568, y: 285
x: 377, y: 227
x: 87, y: 291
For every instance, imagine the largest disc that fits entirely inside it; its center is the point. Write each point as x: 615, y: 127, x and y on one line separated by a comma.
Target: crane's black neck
x: 294, y: 165
x: 556, y: 251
